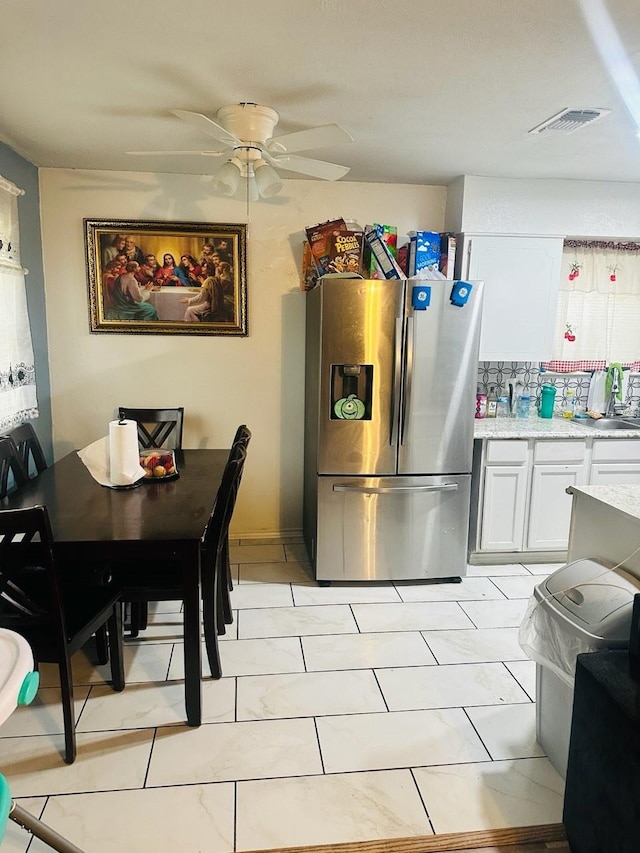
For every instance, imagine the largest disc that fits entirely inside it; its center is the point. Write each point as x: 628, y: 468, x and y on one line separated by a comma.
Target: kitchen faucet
x: 610, y: 411
x: 613, y: 384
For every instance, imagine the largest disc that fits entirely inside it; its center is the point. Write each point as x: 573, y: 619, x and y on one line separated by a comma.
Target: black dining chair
x: 55, y: 615
x: 165, y: 582
x: 156, y: 427
x: 214, y: 579
x: 225, y: 614
x: 29, y: 449
x: 12, y: 472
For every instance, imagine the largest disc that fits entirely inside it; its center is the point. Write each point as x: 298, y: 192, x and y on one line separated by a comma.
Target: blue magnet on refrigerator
x: 420, y: 297
x: 460, y: 293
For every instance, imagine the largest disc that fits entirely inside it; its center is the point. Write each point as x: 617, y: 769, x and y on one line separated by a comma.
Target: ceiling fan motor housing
x: 249, y: 122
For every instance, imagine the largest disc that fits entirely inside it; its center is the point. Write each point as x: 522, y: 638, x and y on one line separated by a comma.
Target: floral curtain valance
x: 18, y: 401
x: 598, y: 312
x: 600, y: 266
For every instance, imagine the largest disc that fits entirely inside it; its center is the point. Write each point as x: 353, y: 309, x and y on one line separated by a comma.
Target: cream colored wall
x: 221, y: 382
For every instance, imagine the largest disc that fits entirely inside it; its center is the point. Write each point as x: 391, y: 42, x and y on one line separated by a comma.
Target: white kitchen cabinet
x: 627, y: 474
x: 521, y: 276
x: 615, y: 461
x: 504, y: 496
x: 550, y: 507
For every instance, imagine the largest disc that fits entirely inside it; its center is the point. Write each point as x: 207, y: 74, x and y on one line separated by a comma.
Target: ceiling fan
x: 243, y: 133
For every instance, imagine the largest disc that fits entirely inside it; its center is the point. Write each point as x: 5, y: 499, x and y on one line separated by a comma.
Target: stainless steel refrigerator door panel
x: 392, y: 528
x: 361, y: 326
x: 441, y: 362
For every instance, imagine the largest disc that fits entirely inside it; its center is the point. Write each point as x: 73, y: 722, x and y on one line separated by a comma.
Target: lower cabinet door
x: 606, y: 474
x: 550, y: 508
x: 503, y: 507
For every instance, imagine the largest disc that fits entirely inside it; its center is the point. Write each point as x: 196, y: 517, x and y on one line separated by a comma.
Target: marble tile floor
x: 346, y: 713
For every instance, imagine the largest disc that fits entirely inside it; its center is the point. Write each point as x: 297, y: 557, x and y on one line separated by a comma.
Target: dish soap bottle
x: 569, y: 404
x: 492, y: 402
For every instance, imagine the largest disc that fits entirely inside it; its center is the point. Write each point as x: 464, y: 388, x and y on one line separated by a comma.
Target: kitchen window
x: 598, y: 312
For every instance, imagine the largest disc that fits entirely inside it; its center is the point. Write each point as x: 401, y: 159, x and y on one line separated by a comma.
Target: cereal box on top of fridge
x: 345, y: 252
x: 389, y: 235
x: 309, y: 271
x: 424, y: 251
x: 318, y: 236
x: 447, y: 254
x: 381, y: 252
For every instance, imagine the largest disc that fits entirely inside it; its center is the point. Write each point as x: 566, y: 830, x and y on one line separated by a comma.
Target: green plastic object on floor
x: 5, y: 805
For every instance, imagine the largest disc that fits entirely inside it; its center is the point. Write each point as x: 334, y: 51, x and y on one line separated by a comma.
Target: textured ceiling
x: 429, y: 89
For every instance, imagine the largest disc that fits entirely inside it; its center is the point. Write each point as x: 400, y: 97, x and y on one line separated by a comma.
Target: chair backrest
x: 156, y: 427
x: 12, y: 472
x: 241, y: 438
x: 218, y: 525
x: 29, y: 448
x: 29, y: 596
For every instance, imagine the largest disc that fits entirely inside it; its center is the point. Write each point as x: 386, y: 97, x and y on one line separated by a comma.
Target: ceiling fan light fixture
x: 227, y: 178
x: 267, y: 179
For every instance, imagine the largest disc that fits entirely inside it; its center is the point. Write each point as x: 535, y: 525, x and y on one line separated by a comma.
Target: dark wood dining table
x: 153, y: 521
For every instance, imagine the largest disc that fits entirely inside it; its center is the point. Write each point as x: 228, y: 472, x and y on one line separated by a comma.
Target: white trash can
x: 582, y: 607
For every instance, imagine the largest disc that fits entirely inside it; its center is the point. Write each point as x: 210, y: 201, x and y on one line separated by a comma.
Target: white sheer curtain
x: 598, y: 314
x: 18, y: 400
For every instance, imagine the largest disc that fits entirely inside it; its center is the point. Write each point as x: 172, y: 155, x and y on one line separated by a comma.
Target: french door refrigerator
x: 391, y: 374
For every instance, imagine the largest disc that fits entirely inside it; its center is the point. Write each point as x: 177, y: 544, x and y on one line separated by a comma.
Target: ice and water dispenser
x: 351, y: 392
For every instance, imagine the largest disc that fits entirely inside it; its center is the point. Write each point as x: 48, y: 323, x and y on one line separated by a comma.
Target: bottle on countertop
x: 568, y: 408
x: 502, y: 408
x: 524, y: 404
x: 481, y: 403
x: 492, y: 402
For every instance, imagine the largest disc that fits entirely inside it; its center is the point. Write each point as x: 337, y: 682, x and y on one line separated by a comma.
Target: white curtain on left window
x: 18, y: 401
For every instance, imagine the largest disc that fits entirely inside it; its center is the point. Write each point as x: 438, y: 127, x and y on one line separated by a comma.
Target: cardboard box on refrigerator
x: 424, y: 251
x: 447, y: 254
x: 389, y: 236
x: 381, y: 252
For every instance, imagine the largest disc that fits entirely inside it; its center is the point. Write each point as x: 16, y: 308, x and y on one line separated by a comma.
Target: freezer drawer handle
x: 389, y: 490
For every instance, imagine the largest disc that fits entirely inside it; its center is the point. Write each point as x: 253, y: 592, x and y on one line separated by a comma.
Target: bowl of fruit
x: 158, y: 464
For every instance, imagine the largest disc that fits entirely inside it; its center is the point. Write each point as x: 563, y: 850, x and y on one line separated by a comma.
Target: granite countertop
x: 621, y: 497
x: 536, y: 427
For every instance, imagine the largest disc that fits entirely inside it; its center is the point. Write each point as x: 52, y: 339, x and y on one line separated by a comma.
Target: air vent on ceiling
x: 568, y: 121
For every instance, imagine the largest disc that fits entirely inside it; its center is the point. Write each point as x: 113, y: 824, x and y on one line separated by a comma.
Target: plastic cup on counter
x: 524, y: 406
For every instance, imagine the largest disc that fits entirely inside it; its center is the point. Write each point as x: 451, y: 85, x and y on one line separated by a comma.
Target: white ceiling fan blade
x: 209, y: 126
x: 307, y: 166
x: 179, y: 153
x: 323, y: 136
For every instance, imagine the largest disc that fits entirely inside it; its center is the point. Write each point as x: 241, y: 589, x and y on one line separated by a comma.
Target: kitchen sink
x: 608, y: 423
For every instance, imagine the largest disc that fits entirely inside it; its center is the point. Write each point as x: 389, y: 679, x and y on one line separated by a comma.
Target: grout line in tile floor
x: 264, y: 781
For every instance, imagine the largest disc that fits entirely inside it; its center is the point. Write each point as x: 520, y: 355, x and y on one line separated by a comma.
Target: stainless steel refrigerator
x: 391, y: 373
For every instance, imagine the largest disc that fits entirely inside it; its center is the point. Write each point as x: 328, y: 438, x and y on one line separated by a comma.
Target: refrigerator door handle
x: 389, y: 490
x: 408, y: 379
x: 395, y: 394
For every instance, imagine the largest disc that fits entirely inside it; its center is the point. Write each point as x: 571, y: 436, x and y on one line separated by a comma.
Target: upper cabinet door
x: 521, y: 276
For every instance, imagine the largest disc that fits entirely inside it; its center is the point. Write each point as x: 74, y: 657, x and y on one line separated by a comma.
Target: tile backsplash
x: 500, y: 373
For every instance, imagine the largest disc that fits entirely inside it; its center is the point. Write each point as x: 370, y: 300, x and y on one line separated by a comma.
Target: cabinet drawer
x: 506, y: 451
x: 560, y: 451
x: 616, y: 450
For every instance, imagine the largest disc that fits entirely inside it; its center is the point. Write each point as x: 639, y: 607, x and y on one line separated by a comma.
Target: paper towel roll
x: 124, y: 458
